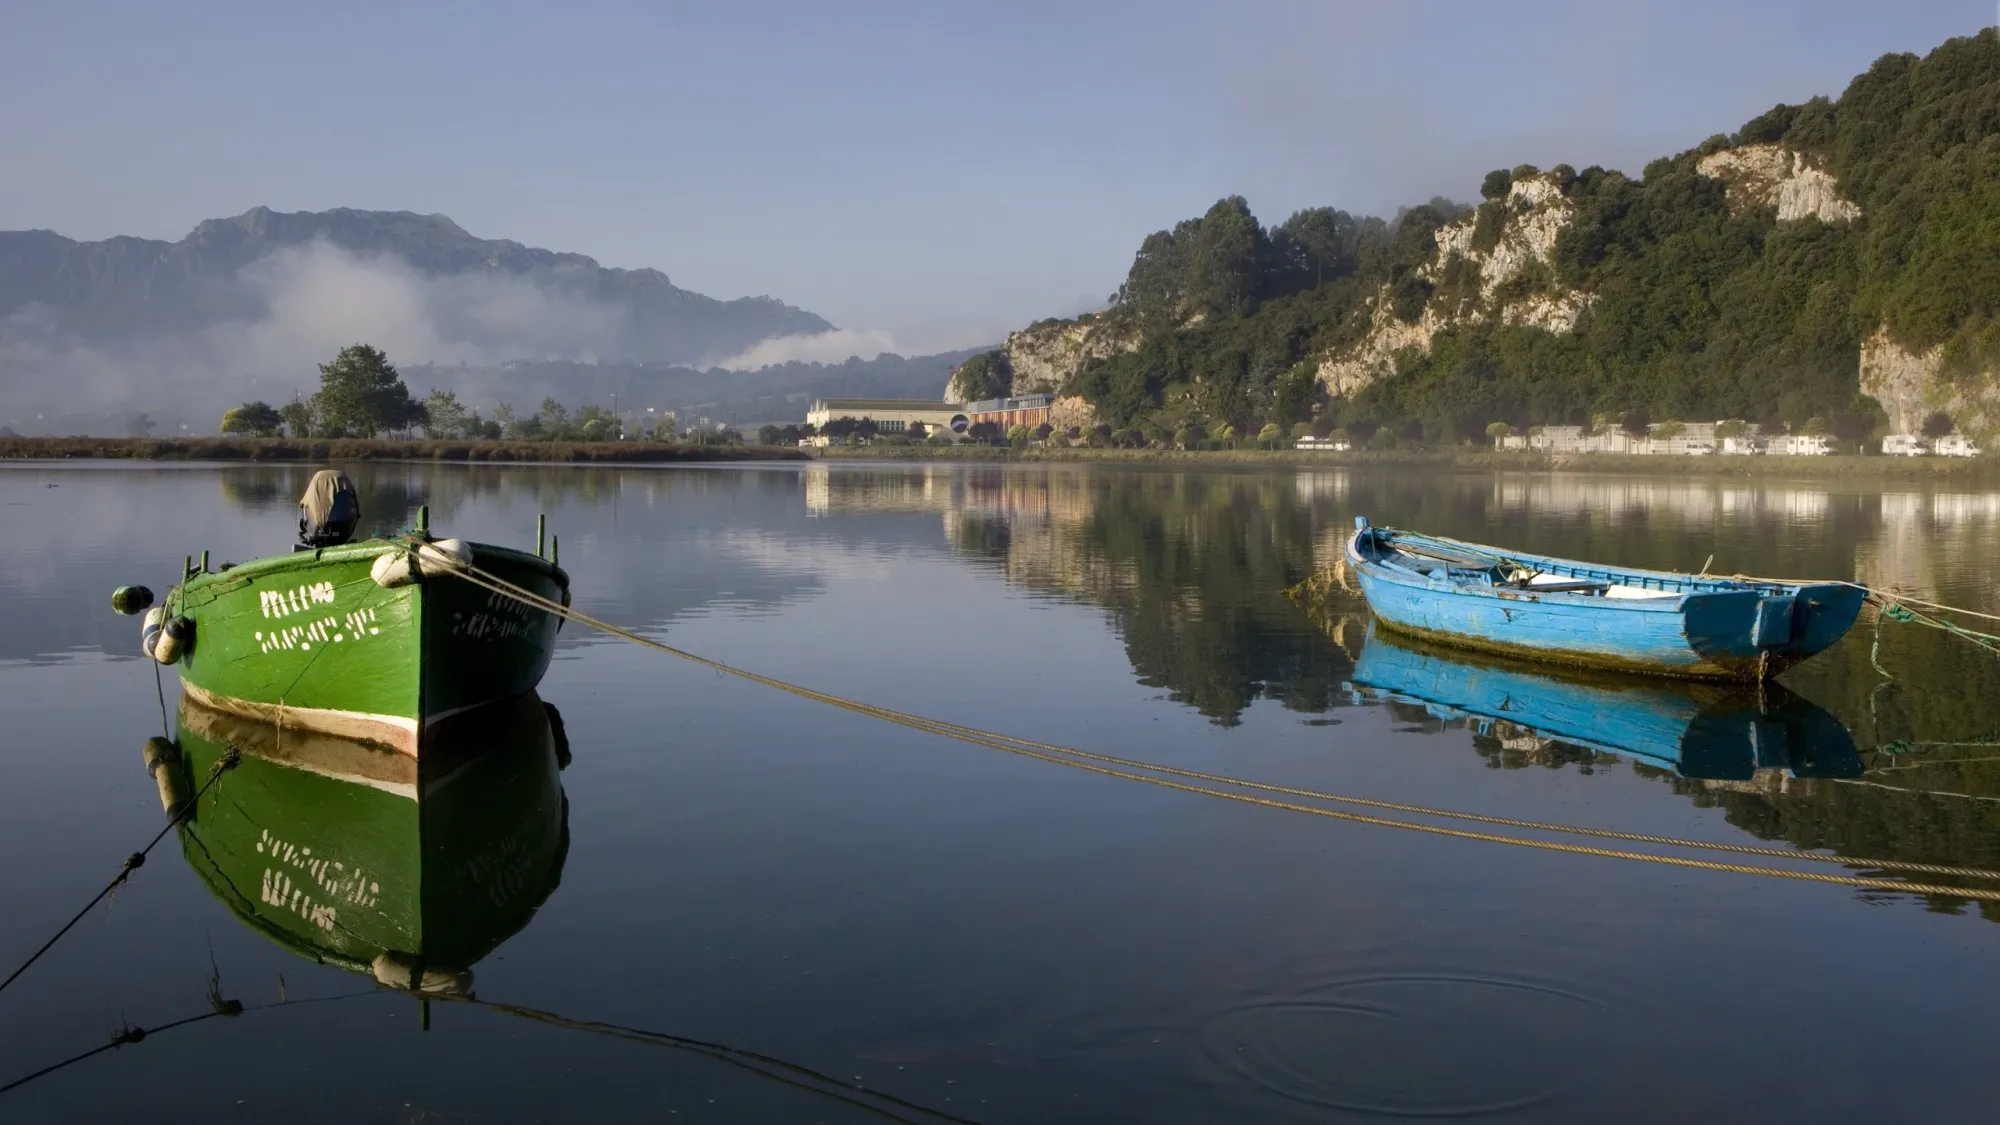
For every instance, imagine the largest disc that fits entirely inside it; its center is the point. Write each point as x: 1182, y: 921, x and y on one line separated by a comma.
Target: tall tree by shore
x: 361, y: 393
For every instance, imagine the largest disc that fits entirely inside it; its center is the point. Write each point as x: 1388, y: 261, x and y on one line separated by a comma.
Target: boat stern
x: 1755, y: 634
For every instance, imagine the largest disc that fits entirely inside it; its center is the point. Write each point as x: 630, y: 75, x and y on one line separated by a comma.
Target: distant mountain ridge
x: 124, y: 291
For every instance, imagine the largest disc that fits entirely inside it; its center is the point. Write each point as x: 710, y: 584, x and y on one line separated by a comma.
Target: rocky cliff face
x: 1769, y: 175
x: 1514, y: 266
x: 1535, y: 214
x: 1041, y: 357
x: 1908, y: 386
x: 1508, y: 274
x: 1347, y: 371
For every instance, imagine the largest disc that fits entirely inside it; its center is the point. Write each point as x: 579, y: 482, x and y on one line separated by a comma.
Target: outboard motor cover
x: 329, y: 510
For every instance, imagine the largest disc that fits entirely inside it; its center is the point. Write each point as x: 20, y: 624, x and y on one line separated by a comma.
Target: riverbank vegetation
x: 363, y: 395
x: 381, y: 449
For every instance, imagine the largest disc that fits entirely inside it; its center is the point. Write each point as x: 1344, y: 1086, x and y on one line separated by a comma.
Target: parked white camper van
x: 1905, y: 445
x: 1803, y: 445
x: 1957, y: 445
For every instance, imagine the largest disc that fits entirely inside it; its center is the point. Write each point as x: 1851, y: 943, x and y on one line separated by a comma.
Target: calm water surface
x: 751, y: 902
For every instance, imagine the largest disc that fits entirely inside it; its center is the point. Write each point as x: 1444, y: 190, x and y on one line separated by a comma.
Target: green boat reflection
x: 408, y: 870
x: 1707, y: 731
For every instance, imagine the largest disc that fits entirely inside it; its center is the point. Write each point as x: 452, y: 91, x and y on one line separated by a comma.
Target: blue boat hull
x: 1713, y: 731
x: 1673, y: 625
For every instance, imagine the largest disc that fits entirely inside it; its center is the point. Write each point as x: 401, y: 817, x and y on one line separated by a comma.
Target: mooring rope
x: 1903, y: 614
x: 130, y: 1035
x: 160, y: 690
x: 123, y: 1037
x: 1929, y: 605
x: 134, y: 861
x: 764, y: 1066
x: 1122, y: 768
x: 781, y: 1071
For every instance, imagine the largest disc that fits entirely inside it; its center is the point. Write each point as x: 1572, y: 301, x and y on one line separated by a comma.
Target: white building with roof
x: 890, y: 415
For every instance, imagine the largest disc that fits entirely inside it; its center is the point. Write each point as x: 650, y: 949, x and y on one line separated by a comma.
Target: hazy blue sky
x: 940, y: 172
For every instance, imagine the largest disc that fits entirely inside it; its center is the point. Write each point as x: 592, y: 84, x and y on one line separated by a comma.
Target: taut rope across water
x: 1168, y: 777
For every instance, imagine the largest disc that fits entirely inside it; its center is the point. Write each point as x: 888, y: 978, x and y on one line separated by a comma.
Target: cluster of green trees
x: 362, y: 394
x: 1228, y: 313
x: 1192, y: 435
x: 551, y: 422
x: 982, y: 377
x: 1695, y: 312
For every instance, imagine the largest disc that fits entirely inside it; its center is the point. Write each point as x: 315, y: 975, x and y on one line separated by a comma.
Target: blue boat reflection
x: 1710, y: 731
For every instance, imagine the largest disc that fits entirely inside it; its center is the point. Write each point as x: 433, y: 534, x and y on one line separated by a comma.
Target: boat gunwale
x: 363, y: 550
x: 1403, y: 575
x: 1384, y: 542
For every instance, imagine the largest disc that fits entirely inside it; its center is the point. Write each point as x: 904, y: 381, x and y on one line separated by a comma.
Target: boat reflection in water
x: 1699, y: 730
x: 350, y: 855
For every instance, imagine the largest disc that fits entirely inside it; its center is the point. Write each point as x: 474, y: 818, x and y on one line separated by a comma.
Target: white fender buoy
x: 391, y: 570
x: 163, y: 761
x: 430, y: 560
x: 398, y: 970
x: 149, y: 628
x: 393, y: 970
x: 174, y: 640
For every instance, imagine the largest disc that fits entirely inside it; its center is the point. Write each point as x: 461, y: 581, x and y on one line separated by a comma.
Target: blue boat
x: 1700, y: 730
x: 1591, y: 615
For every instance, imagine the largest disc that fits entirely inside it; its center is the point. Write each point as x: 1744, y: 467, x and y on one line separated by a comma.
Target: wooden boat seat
x: 1639, y: 593
x: 1574, y: 587
x: 1604, y: 587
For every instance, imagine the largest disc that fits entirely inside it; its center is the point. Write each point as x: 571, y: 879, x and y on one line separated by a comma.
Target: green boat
x: 354, y: 856
x: 379, y: 640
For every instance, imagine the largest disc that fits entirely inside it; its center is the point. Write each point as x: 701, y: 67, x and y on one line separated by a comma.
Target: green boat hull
x: 351, y: 855
x: 311, y: 641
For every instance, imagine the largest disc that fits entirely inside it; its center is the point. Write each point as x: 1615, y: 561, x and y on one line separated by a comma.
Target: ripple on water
x: 1421, y: 1044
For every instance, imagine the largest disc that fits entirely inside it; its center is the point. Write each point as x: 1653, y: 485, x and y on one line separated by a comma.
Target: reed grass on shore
x: 371, y: 449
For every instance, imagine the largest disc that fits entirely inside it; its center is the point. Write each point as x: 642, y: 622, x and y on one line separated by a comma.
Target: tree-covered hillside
x: 1695, y: 290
